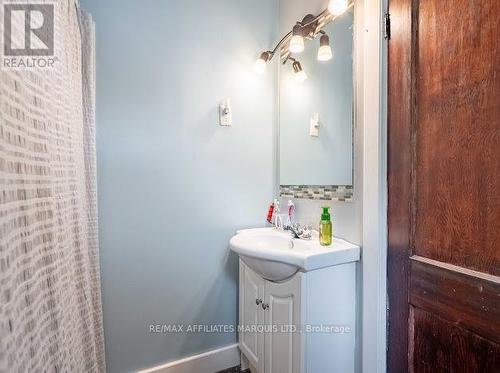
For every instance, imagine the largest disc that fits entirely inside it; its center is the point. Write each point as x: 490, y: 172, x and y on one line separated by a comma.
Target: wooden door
x: 444, y: 186
x: 251, y: 297
x: 282, y: 345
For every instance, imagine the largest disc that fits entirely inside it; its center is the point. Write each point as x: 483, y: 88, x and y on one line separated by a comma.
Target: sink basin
x: 276, y: 256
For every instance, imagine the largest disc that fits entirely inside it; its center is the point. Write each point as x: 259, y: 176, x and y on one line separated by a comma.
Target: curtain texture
x: 50, y: 299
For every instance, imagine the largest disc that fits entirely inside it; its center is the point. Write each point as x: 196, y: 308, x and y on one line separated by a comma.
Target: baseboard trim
x: 211, y: 361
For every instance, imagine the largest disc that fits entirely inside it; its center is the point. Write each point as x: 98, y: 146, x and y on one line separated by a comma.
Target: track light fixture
x: 309, y: 28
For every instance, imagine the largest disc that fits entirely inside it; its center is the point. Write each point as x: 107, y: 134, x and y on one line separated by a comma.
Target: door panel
x: 282, y: 346
x: 279, y: 344
x: 470, y: 300
x: 251, y: 316
x: 435, y: 337
x: 444, y: 194
x: 457, y: 133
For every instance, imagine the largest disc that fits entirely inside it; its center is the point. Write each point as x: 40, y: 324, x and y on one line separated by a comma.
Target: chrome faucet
x: 300, y: 232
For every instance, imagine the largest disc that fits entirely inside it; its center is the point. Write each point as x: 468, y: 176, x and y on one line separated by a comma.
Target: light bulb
x: 324, y: 51
x: 337, y: 7
x: 297, y: 40
x: 299, y: 74
x: 296, y: 44
x: 300, y: 77
x: 261, y: 64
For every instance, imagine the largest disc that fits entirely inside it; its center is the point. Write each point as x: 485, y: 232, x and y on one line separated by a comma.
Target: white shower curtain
x: 50, y: 300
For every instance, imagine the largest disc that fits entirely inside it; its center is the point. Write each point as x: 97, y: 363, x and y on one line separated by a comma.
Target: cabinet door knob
x: 265, y: 306
x: 258, y: 301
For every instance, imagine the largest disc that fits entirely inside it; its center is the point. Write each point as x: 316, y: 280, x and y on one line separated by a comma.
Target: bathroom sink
x: 276, y: 255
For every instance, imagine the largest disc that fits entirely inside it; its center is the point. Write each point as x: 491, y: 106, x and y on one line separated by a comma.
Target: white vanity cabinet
x: 282, y: 311
x: 303, y: 324
x: 251, y: 316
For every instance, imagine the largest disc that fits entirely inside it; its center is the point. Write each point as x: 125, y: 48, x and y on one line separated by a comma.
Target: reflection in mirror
x: 316, y: 117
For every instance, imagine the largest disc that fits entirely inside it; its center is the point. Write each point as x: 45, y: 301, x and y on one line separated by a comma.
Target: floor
x: 234, y: 370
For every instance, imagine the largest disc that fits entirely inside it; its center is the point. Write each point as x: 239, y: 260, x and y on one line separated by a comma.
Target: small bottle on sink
x: 325, y: 228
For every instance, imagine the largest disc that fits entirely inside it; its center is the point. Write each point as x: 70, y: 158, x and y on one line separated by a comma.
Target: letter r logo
x: 28, y: 29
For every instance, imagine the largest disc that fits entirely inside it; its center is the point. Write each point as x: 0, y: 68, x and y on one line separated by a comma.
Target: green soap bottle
x: 325, y: 228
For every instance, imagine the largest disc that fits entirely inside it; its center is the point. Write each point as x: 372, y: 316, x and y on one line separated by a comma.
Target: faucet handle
x: 301, y: 232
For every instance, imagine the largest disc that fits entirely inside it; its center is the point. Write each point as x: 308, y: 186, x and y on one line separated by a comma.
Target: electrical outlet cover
x: 314, y: 125
x: 225, y: 113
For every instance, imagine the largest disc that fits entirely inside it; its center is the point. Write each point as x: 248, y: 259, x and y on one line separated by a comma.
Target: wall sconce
x: 309, y: 28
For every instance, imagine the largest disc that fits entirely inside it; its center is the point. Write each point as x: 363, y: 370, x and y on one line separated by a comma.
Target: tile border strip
x: 341, y: 193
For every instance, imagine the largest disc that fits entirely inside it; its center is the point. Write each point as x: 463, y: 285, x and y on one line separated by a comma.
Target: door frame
x: 372, y: 94
x: 400, y: 181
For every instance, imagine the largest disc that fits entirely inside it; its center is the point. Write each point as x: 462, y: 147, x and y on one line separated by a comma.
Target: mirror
x: 316, y: 119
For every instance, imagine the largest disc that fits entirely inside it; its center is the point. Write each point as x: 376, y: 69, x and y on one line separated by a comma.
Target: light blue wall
x: 173, y: 185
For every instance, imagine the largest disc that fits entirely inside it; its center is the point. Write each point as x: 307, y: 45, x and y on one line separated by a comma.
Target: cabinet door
x: 282, y: 346
x: 251, y: 340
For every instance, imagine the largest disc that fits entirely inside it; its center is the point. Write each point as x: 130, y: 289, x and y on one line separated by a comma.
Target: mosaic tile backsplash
x: 341, y: 193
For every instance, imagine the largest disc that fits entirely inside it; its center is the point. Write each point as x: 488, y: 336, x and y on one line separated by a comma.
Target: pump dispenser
x: 325, y: 228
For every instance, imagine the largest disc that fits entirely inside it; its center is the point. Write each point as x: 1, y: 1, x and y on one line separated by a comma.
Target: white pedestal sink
x: 276, y: 256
